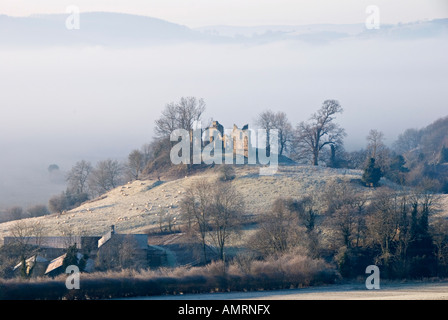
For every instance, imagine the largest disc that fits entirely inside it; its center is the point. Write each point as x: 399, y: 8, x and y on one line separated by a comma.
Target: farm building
x: 100, y: 253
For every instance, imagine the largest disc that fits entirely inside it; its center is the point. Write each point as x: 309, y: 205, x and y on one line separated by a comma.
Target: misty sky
x: 64, y: 104
x: 194, y: 13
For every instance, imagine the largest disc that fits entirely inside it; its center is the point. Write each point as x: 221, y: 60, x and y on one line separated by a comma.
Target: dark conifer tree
x: 372, y: 174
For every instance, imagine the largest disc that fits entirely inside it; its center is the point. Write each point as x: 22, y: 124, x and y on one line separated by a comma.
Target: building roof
x: 58, y: 262
x: 55, y: 263
x: 31, y: 261
x: 105, y: 238
x: 140, y: 240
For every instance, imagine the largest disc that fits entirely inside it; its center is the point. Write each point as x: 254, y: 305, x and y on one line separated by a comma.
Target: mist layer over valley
x: 93, y: 95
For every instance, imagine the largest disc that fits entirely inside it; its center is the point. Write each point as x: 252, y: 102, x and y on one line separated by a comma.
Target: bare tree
x: 195, y: 207
x: 265, y: 121
x: 106, y: 175
x: 306, y: 210
x: 78, y: 176
x: 180, y: 115
x: 148, y: 153
x: 157, y: 154
x: 136, y: 163
x: 38, y: 210
x: 377, y: 150
x: 58, y: 203
x: 22, y: 233
x: 212, y: 210
x: 278, y: 231
x: 384, y: 223
x: 312, y: 136
x: 15, y: 213
x: 227, y: 208
x: 269, y: 120
x: 375, y: 142
x: 168, y: 122
x: 20, y: 248
x: 439, y: 232
x: 408, y: 140
x: 356, y: 159
x: 345, y: 213
x: 167, y: 220
x: 284, y: 129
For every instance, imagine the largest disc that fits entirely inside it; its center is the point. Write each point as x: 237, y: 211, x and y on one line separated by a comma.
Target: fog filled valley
x: 356, y: 119
x: 94, y: 93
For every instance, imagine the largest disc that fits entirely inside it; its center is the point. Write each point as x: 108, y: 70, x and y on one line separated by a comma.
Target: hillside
x: 118, y: 29
x: 96, y: 28
x: 425, y: 152
x: 136, y: 206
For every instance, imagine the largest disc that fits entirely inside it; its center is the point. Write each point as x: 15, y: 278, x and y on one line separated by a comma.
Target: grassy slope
x: 136, y: 207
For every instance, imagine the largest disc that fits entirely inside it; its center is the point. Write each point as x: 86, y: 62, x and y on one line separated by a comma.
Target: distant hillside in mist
x: 321, y: 33
x: 95, y: 29
x: 101, y: 28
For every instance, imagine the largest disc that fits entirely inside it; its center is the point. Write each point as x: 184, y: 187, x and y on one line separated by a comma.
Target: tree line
x: 416, y: 156
x: 391, y: 229
x: 317, y: 141
x: 395, y: 229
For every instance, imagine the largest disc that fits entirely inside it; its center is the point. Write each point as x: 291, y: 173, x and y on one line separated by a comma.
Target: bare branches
x: 312, y: 136
x: 269, y: 120
x: 136, y: 164
x: 105, y: 176
x: 180, y: 115
x: 213, y: 209
x: 78, y: 176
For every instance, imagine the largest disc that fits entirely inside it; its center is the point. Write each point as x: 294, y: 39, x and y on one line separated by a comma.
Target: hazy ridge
x: 112, y: 29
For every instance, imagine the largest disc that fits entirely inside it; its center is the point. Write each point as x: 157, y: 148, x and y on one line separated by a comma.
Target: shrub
x: 226, y: 173
x: 286, y: 271
x: 38, y: 210
x: 372, y: 174
x: 66, y: 201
